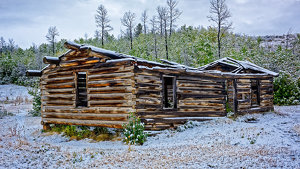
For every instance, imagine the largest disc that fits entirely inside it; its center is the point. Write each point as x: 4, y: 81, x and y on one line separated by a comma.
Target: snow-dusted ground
x: 272, y: 141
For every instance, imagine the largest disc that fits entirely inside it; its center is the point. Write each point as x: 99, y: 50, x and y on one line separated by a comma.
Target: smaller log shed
x: 97, y: 87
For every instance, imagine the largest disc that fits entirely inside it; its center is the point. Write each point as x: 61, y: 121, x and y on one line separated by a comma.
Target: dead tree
x: 128, y: 22
x: 102, y: 21
x: 174, y: 13
x: 163, y: 18
x: 144, y: 19
x: 2, y: 45
x: 52, y: 33
x: 220, y: 14
x: 159, y: 10
x: 153, y: 22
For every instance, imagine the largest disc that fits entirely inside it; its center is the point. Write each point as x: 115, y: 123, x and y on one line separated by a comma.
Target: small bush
x: 4, y: 112
x: 188, y: 124
x: 286, y: 90
x: 82, y: 132
x: 35, y: 92
x: 134, y: 131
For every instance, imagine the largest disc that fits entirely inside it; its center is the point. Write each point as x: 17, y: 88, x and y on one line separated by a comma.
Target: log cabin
x: 96, y: 87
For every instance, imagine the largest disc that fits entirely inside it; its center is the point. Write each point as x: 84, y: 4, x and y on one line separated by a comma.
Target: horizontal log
x: 201, y: 104
x: 58, y: 74
x: 198, y: 96
x: 103, y: 90
x: 111, y: 83
x: 59, y: 102
x: 200, y: 79
x: 168, y: 121
x: 37, y: 73
x: 58, y: 91
x: 58, y: 97
x: 199, y: 85
x: 113, y: 96
x: 60, y: 85
x: 147, y: 114
x: 147, y: 92
x: 51, y: 60
x: 144, y: 106
x: 255, y: 110
x: 202, y: 101
x: 201, y: 88
x: 87, y: 116
x: 114, y: 76
x: 147, y: 85
x: 79, y: 62
x: 96, y: 110
x: 95, y: 123
x: 116, y: 103
x: 109, y: 70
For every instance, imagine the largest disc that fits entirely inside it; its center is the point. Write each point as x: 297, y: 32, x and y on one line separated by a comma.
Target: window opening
x: 169, y: 92
x: 255, y: 92
x: 81, y: 92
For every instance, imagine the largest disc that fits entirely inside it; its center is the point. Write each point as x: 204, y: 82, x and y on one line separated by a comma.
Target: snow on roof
x: 117, y: 57
x: 239, y: 65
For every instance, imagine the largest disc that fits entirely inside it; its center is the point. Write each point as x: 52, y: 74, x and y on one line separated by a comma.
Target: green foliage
x: 35, y: 92
x: 228, y: 108
x: 286, y: 90
x: 133, y: 131
x: 4, y: 112
x: 82, y: 132
x: 138, y: 30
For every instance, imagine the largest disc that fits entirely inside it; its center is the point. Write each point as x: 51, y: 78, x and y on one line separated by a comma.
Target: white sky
x: 27, y: 21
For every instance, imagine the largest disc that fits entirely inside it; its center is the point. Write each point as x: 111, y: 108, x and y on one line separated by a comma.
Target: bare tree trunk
x: 130, y: 32
x: 155, y: 46
x: 53, y: 48
x: 166, y: 40
x: 102, y: 37
x: 219, y: 40
x: 161, y: 27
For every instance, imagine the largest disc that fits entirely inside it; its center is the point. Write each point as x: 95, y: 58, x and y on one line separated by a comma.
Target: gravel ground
x: 271, y: 140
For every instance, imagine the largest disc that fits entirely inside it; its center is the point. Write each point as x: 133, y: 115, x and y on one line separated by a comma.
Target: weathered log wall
x: 244, y: 95
x: 109, y: 91
x: 114, y: 88
x: 197, y: 99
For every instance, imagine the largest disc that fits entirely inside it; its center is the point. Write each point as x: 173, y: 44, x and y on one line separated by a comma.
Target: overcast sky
x: 27, y: 21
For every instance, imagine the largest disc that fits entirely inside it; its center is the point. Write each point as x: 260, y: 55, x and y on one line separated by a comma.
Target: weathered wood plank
x: 112, y: 124
x: 86, y: 116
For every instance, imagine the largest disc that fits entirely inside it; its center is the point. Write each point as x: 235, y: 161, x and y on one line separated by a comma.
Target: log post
x: 51, y: 60
x: 235, y: 102
x: 46, y: 126
x: 37, y: 73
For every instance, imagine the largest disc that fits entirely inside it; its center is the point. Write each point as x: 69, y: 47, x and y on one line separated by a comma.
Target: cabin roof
x: 236, y: 65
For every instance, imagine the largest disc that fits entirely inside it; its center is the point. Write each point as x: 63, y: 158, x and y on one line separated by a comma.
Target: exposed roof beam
x: 37, y: 73
x: 51, y: 60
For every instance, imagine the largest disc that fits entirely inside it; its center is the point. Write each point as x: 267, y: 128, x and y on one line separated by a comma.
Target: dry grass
x: 297, y: 129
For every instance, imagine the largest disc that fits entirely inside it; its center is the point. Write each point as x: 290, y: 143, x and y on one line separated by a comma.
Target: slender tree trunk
x: 130, y: 34
x: 171, y: 22
x: 145, y: 31
x: 219, y: 40
x: 53, y: 48
x: 166, y: 40
x: 102, y: 37
x: 155, y: 46
x: 161, y: 28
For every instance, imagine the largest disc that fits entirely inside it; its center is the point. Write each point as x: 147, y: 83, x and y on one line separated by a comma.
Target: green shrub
x: 75, y: 132
x: 286, y: 90
x: 4, y: 112
x: 36, y: 109
x: 134, y: 131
